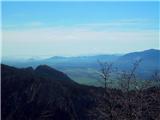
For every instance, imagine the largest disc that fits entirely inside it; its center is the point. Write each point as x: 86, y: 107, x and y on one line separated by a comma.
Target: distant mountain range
x: 150, y: 61
x: 83, y: 69
x: 150, y: 58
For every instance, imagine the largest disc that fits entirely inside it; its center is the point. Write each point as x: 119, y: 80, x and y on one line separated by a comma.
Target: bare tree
x: 128, y: 78
x: 128, y: 85
x: 156, y: 78
x: 132, y: 100
x: 108, y: 101
x: 105, y: 73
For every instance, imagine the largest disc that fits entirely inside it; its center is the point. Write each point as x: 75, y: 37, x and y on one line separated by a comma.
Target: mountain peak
x: 44, y: 67
x: 49, y: 72
x: 152, y: 50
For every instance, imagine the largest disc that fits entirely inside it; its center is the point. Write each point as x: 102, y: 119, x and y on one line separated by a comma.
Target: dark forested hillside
x: 43, y: 94
x: 47, y: 94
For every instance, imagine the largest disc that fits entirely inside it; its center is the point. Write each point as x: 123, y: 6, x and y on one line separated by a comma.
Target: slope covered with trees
x: 47, y: 94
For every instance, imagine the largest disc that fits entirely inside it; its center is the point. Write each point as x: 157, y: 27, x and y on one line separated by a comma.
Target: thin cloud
x: 33, y: 24
x: 129, y: 24
x: 122, y: 24
x: 75, y: 41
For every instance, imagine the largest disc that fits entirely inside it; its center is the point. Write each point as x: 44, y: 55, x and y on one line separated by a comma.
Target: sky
x: 41, y: 29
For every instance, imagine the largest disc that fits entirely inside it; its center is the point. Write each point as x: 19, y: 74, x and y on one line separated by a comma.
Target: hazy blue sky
x: 78, y: 28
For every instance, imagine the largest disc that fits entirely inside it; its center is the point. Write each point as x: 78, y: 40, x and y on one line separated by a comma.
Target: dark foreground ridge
x: 48, y: 94
x: 43, y: 94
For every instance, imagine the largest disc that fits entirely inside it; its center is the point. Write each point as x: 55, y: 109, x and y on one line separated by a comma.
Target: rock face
x: 43, y: 94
